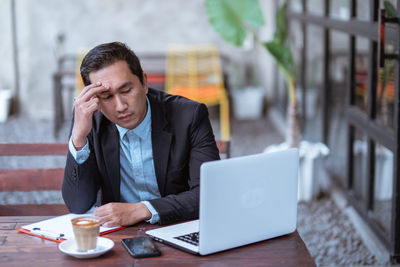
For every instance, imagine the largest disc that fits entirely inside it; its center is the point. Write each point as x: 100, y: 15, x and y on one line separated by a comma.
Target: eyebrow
x: 125, y: 84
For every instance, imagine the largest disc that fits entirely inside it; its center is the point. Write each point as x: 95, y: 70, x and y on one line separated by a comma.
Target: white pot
x: 312, y: 176
x: 5, y: 100
x: 248, y: 102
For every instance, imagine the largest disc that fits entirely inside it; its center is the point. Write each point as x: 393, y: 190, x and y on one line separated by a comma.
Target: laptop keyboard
x: 192, y: 238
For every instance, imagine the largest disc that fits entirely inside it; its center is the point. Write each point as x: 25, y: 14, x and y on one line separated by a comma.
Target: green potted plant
x: 234, y: 20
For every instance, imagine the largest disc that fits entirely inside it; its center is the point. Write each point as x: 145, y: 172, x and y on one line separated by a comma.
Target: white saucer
x: 69, y: 247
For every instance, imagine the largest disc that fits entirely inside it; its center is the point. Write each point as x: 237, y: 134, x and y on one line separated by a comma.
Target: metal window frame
x: 356, y: 119
x: 395, y: 237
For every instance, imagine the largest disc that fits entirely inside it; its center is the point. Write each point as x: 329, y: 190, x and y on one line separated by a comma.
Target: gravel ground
x: 327, y: 232
x: 330, y: 237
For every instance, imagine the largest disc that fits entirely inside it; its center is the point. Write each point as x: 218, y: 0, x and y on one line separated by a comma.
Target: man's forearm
x: 80, y: 184
x: 179, y: 207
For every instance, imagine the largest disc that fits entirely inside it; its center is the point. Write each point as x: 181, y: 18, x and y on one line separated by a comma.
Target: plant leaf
x: 232, y: 19
x: 282, y: 56
x: 281, y: 24
x: 390, y: 9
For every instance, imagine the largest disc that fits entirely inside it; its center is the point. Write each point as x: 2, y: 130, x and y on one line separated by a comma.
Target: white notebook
x: 59, y: 228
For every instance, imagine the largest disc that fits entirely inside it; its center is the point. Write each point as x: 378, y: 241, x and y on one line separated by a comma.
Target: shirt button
x: 134, y: 152
x: 137, y: 173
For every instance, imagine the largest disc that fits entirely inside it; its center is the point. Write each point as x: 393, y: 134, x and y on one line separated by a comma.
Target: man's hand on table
x: 122, y: 214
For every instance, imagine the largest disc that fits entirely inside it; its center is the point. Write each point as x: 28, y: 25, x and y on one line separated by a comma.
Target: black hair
x: 106, y: 54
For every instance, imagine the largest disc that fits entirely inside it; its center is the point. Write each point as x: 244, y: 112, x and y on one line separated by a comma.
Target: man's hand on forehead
x: 103, y: 92
x: 86, y: 105
x: 100, y: 88
x: 92, y: 90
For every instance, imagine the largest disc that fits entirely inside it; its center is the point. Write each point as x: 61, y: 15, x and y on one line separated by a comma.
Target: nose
x: 120, y: 104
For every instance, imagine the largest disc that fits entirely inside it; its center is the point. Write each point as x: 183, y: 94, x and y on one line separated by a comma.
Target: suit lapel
x: 110, y: 145
x: 161, y: 142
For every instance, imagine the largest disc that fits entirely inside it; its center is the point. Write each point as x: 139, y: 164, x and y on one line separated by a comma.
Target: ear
x: 145, y: 87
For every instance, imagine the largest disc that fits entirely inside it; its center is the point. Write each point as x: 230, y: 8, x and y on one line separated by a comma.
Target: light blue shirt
x: 138, y: 178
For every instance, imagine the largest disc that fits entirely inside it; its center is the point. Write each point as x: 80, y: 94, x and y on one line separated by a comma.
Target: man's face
x: 124, y: 103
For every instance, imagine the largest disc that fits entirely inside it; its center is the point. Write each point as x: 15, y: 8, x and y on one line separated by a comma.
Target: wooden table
x: 18, y: 249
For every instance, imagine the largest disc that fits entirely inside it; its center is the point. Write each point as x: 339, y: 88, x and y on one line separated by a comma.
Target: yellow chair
x: 194, y: 71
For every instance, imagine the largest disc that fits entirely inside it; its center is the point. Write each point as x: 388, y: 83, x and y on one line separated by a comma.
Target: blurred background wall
x: 6, y: 56
x: 146, y: 26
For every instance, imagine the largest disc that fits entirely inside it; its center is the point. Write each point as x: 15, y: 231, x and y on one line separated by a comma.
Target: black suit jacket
x: 182, y: 139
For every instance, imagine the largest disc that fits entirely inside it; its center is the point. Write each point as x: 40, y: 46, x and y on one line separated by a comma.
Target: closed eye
x: 125, y: 91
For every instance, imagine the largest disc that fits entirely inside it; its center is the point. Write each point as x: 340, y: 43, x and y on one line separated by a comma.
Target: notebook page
x: 62, y: 225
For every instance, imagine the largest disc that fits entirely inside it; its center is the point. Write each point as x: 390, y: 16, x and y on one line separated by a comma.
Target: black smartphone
x: 141, y: 247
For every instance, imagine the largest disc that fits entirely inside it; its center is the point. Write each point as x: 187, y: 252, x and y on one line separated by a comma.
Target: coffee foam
x: 85, y: 222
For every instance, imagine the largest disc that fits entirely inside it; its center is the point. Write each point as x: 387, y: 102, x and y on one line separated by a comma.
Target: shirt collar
x: 143, y: 129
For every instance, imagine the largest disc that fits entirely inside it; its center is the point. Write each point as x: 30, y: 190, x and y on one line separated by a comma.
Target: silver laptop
x: 242, y: 200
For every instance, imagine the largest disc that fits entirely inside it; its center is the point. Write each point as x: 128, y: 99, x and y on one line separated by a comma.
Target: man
x: 143, y: 148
